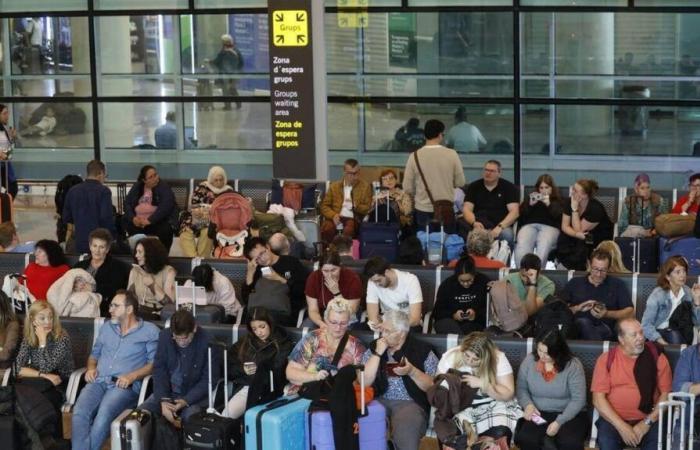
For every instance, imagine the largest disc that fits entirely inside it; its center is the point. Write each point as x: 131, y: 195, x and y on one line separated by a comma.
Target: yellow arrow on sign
x: 290, y: 28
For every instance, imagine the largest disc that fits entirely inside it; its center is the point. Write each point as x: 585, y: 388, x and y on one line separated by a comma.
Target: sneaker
x: 494, y: 250
x: 503, y: 252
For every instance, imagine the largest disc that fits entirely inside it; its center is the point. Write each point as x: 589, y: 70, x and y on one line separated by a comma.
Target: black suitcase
x: 5, y: 197
x: 208, y: 429
x: 639, y: 254
x: 379, y: 238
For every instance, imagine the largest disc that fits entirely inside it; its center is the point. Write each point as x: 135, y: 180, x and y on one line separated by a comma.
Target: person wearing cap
x: 640, y: 209
x: 689, y: 203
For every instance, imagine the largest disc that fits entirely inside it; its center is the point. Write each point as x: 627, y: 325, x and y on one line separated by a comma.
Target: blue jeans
x: 593, y: 331
x: 98, y: 404
x: 536, y: 238
x: 508, y: 235
x: 609, y: 438
x: 152, y: 404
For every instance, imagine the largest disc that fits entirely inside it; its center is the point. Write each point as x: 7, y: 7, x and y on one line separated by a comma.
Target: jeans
x: 152, y: 404
x: 672, y: 336
x: 536, y: 238
x: 593, y: 331
x: 98, y: 404
x: 508, y: 235
x: 609, y: 438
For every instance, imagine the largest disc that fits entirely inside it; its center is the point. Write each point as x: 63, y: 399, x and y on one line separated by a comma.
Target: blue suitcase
x: 372, y: 429
x: 688, y: 247
x: 379, y: 238
x: 278, y: 425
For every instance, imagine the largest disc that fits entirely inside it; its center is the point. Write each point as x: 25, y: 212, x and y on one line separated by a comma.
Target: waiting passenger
x: 121, y: 357
x: 149, y: 206
x: 330, y: 281
x: 442, y: 170
x: 9, y: 240
x: 540, y: 221
x: 478, y: 247
x: 640, y: 209
x: 494, y: 412
x: 463, y: 136
x: 552, y: 386
x: 690, y: 202
x: 9, y: 332
x: 262, y: 350
x: 411, y: 252
x: 460, y: 306
x: 194, y: 224
x: 273, y: 281
x: 584, y: 224
x: 165, y: 135
x: 400, y: 202
x: 49, y: 265
x: 279, y: 244
x: 343, y: 245
x: 180, y: 369
x: 152, y: 279
x: 110, y: 274
x: 312, y: 357
x: 410, y: 137
x: 401, y: 369
x: 673, y: 309
x: 218, y: 288
x: 392, y: 289
x: 616, y: 264
x: 598, y: 300
x: 686, y: 373
x: 532, y: 287
x: 46, y: 354
x: 73, y: 295
x: 491, y: 203
x: 345, y: 204
x: 628, y: 383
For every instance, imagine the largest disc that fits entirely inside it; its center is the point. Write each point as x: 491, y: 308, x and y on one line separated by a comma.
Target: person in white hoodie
x: 73, y: 295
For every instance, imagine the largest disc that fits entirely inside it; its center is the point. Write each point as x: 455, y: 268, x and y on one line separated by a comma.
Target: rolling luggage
x: 208, y: 429
x: 203, y: 313
x: 372, y: 424
x: 679, y: 426
x: 6, y: 199
x: 278, y: 425
x: 639, y: 254
x: 379, y: 238
x: 132, y: 430
x: 688, y: 247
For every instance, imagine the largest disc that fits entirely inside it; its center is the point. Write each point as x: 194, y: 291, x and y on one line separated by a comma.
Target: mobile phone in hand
x: 538, y: 419
x: 266, y: 271
x: 166, y: 400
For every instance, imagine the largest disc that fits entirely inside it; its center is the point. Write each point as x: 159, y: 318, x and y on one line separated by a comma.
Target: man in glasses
x: 345, y: 204
x: 180, y: 371
x: 121, y: 357
x: 88, y: 206
x: 598, y: 300
x: 394, y: 290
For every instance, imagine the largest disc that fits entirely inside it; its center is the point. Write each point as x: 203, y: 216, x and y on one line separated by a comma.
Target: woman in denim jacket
x: 660, y: 324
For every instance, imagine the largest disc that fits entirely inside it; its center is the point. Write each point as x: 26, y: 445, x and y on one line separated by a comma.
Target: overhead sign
x: 291, y: 89
x: 353, y: 20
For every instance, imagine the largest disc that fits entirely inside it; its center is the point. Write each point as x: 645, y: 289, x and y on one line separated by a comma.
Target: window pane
x: 50, y: 45
x: 140, y: 4
x: 573, y: 2
x: 227, y: 3
x: 460, y: 2
x: 344, y: 126
x: 38, y: 86
x: 695, y: 3
x: 53, y: 125
x: 246, y: 128
x: 42, y: 5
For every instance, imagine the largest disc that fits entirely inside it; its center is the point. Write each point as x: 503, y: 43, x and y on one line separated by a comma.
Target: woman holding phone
x: 255, y: 360
x: 552, y: 390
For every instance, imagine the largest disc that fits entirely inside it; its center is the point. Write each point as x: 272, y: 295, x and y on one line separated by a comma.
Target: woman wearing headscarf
x: 195, y: 222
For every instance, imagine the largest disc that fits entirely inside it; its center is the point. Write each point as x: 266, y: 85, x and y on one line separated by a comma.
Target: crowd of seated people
x: 546, y: 405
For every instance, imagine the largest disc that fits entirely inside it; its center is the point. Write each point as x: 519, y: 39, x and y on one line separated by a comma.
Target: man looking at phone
x: 401, y: 369
x: 121, y: 357
x: 180, y: 370
x: 598, y: 300
x: 395, y: 290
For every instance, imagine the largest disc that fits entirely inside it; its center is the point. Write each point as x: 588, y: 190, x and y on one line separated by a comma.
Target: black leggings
x: 571, y: 435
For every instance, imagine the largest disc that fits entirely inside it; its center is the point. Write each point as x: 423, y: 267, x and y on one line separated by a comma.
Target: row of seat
x: 640, y: 285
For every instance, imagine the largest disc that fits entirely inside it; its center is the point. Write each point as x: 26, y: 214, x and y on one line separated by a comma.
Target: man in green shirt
x: 532, y: 288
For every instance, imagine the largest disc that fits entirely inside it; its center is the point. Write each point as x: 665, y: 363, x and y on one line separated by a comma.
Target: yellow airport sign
x: 353, y: 20
x: 290, y: 28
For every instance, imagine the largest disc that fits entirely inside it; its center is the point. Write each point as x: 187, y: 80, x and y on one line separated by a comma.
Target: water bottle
x: 339, y: 227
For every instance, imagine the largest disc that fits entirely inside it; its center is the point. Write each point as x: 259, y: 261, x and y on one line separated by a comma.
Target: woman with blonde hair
x: 194, y: 224
x: 616, y: 264
x: 494, y: 412
x: 45, y: 358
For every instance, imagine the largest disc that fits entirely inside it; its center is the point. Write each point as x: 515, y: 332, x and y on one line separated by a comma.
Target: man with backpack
x: 628, y: 383
x: 598, y: 300
x: 88, y: 206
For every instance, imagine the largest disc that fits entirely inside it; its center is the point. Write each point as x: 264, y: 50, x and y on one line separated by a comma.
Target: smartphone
x: 166, y: 400
x: 248, y: 365
x: 538, y: 419
x: 390, y: 366
x: 535, y: 196
x: 465, y: 315
x: 266, y: 271
x: 589, y: 239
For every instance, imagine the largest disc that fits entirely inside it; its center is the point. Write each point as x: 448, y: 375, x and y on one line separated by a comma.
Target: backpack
x: 506, y: 309
x: 555, y: 314
x: 268, y: 224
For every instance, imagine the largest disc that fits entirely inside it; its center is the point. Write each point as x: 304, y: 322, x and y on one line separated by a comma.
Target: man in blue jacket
x: 88, y: 206
x: 180, y: 371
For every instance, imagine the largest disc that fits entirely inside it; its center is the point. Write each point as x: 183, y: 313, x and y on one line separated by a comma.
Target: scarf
x: 548, y: 375
x: 215, y: 189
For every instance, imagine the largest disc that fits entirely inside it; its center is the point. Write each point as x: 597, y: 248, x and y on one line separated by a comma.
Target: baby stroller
x: 229, y: 216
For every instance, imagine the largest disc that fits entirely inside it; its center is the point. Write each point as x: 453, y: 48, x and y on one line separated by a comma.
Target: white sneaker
x: 503, y: 252
x: 494, y: 250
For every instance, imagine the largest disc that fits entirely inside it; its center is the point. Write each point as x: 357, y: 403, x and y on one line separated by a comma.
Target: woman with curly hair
x: 49, y: 265
x: 151, y: 278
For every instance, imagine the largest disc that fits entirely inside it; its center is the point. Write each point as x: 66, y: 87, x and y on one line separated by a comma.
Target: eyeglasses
x: 600, y: 271
x: 115, y: 305
x: 338, y: 324
x: 490, y: 171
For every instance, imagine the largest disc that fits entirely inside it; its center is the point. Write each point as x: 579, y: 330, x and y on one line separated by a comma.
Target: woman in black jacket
x: 150, y: 208
x: 460, y: 307
x: 263, y: 350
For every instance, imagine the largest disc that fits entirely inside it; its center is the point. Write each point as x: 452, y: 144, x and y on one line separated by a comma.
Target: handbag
x: 319, y: 391
x: 674, y: 225
x: 443, y: 210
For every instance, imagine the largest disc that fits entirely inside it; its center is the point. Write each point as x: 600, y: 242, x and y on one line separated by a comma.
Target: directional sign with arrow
x: 290, y: 28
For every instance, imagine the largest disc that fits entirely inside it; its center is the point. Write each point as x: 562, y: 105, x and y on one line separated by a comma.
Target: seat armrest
x: 144, y: 388
x: 300, y: 318
x: 6, y: 377
x: 426, y: 322
x: 72, y: 388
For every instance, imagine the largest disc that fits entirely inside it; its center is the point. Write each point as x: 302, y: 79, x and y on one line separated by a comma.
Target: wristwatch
x: 647, y: 421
